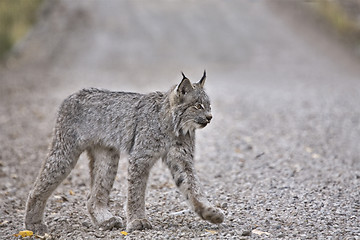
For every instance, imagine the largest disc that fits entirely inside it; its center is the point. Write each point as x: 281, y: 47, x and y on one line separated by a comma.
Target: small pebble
x: 246, y: 233
x: 86, y: 224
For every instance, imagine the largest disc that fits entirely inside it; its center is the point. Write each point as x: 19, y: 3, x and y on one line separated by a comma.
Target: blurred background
x: 164, y: 37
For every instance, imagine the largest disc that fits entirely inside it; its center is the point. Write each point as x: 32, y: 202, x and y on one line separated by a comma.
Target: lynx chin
x: 146, y: 127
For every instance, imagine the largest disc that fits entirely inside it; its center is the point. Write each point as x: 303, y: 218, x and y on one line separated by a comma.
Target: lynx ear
x: 202, y: 80
x: 185, y: 86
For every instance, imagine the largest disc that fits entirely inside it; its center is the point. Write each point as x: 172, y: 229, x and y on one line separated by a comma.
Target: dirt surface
x: 281, y: 156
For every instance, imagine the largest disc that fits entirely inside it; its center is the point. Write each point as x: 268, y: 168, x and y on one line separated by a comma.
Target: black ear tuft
x: 184, y: 77
x: 202, y: 80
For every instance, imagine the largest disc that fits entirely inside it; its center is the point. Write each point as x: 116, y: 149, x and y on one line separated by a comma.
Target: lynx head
x: 190, y: 106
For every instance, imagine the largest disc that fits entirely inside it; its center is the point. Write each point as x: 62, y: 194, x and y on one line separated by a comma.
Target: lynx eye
x: 199, y: 106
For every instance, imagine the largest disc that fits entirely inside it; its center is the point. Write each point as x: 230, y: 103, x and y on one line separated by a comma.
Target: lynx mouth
x: 202, y: 125
x: 202, y: 122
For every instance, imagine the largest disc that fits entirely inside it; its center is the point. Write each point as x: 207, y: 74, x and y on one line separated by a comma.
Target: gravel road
x: 281, y: 156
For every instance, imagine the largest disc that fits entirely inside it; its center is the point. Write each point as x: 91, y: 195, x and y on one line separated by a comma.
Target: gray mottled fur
x: 147, y: 127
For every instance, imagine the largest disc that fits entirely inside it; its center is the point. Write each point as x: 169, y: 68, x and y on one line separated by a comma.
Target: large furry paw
x: 212, y: 214
x: 37, y: 228
x: 113, y: 222
x: 138, y: 224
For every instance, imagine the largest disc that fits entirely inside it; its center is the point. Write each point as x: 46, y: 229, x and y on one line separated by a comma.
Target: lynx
x: 146, y: 127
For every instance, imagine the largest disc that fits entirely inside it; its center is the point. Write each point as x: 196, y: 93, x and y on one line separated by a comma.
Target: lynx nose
x: 208, y: 117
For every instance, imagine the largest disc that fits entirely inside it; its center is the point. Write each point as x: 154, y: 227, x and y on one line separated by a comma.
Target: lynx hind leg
x: 103, y: 168
x: 56, y: 168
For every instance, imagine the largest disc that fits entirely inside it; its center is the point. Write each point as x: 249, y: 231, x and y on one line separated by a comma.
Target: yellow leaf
x: 25, y: 233
x: 211, y: 231
x: 258, y: 232
x: 124, y: 233
x: 71, y: 192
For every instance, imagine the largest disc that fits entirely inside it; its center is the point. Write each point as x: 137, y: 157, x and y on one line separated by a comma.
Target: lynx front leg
x: 103, y: 167
x: 181, y: 166
x: 55, y: 169
x: 138, y: 174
